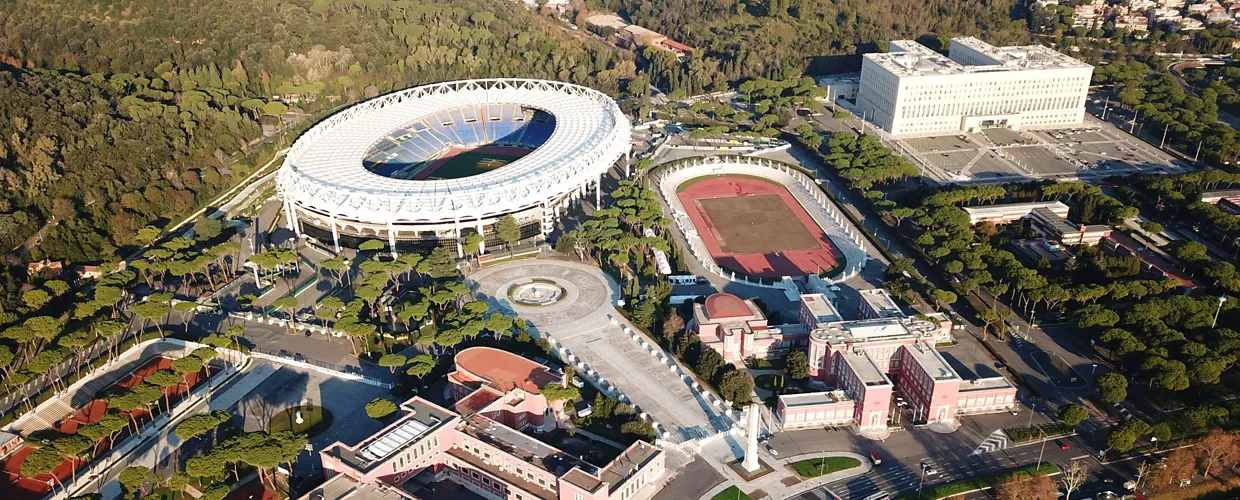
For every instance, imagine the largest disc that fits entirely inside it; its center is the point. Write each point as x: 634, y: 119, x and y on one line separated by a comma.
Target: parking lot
x: 1093, y: 150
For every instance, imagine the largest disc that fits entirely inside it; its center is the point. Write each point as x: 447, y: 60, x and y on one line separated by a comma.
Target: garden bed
x: 815, y: 467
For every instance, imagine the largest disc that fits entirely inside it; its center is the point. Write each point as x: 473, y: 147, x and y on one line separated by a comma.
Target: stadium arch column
x: 628, y: 163
x: 290, y: 217
x: 482, y: 245
x: 392, y: 238
x: 456, y: 234
x: 335, y: 233
x: 598, y: 192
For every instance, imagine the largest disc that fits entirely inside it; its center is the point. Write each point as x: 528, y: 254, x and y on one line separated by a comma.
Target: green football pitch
x: 471, y: 163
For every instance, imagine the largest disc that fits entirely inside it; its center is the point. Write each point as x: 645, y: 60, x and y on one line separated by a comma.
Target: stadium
x: 758, y: 221
x: 430, y: 165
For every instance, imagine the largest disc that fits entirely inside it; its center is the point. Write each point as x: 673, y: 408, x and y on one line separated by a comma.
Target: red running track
x: 775, y: 263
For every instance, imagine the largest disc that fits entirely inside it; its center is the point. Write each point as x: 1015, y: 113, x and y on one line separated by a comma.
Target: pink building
x: 481, y: 447
x: 738, y: 330
x: 502, y: 385
x: 869, y: 358
x: 815, y: 409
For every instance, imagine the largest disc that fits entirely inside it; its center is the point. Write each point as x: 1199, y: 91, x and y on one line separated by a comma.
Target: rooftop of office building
x: 423, y: 420
x: 814, y: 398
x: 908, y: 58
x: 931, y: 362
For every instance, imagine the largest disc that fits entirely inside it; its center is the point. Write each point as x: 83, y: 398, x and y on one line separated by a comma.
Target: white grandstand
x: 802, y: 187
x: 369, y: 171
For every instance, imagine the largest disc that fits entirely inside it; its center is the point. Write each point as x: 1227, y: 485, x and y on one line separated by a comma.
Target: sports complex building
x: 429, y: 165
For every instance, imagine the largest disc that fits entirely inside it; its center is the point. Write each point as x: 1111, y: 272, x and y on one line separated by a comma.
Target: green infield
x: 471, y: 163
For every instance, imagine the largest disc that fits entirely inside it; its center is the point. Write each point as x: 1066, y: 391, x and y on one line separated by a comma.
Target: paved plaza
x: 587, y: 325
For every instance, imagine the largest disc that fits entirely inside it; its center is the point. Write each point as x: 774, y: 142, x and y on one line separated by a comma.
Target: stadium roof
x: 324, y: 172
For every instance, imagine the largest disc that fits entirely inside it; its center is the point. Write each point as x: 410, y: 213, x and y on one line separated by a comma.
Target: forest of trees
x: 774, y: 38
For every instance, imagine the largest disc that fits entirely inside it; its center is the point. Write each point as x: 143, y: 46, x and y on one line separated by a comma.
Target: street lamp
x: 1221, y: 300
x: 921, y: 482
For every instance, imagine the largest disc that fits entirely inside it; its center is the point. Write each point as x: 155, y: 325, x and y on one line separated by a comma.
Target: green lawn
x: 315, y: 420
x: 471, y: 163
x: 732, y: 493
x: 815, y: 467
x: 978, y: 483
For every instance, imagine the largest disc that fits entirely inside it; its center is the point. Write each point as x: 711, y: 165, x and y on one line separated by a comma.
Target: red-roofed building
x: 502, y: 385
x: 738, y: 330
x: 1152, y: 264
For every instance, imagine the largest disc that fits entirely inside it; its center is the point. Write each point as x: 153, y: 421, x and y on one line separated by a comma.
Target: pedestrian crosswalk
x: 997, y: 440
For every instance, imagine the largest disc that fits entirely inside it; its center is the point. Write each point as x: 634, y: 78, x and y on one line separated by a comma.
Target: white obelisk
x: 750, y: 464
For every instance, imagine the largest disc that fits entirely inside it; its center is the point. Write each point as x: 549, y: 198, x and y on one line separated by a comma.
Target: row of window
x: 413, y: 453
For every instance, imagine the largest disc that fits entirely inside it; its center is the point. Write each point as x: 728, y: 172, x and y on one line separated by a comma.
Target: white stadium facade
x: 383, y: 169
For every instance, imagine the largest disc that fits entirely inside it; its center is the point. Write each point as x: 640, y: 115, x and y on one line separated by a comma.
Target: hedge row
x: 1025, y: 434
x: 981, y: 483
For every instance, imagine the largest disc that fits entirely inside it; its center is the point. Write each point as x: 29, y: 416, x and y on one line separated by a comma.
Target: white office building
x: 914, y: 91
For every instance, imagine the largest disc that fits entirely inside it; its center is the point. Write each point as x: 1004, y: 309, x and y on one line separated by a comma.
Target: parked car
x: 771, y: 449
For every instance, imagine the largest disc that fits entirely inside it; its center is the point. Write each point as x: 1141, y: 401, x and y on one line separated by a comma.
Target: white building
x: 912, y: 90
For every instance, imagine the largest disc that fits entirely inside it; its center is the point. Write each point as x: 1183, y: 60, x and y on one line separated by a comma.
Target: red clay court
x: 756, y: 227
x: 19, y: 487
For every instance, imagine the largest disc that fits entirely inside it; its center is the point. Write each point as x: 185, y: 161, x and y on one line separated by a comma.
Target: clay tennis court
x: 755, y: 226
x: 19, y: 487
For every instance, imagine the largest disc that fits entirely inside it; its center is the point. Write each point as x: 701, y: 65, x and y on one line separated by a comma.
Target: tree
x: 1026, y: 487
x: 1179, y: 465
x: 797, y: 365
x: 380, y: 408
x: 1219, y: 448
x: 289, y: 305
x: 42, y: 461
x: 1112, y: 387
x: 151, y: 310
x: 186, y: 366
x: 207, y: 228
x: 737, y: 386
x: 35, y: 299
x: 709, y: 363
x: 421, y: 365
x: 557, y: 392
x: 371, y: 246
x: 1072, y: 414
x: 1124, y: 436
x: 202, y: 423
x: 1073, y: 477
x: 508, y: 231
x: 943, y: 297
x: 184, y: 308
x: 133, y: 479
x: 75, y: 448
x: 164, y: 379
x: 392, y: 361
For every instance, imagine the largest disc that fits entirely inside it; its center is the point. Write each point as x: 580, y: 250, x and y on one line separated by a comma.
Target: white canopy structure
x: 325, y: 184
